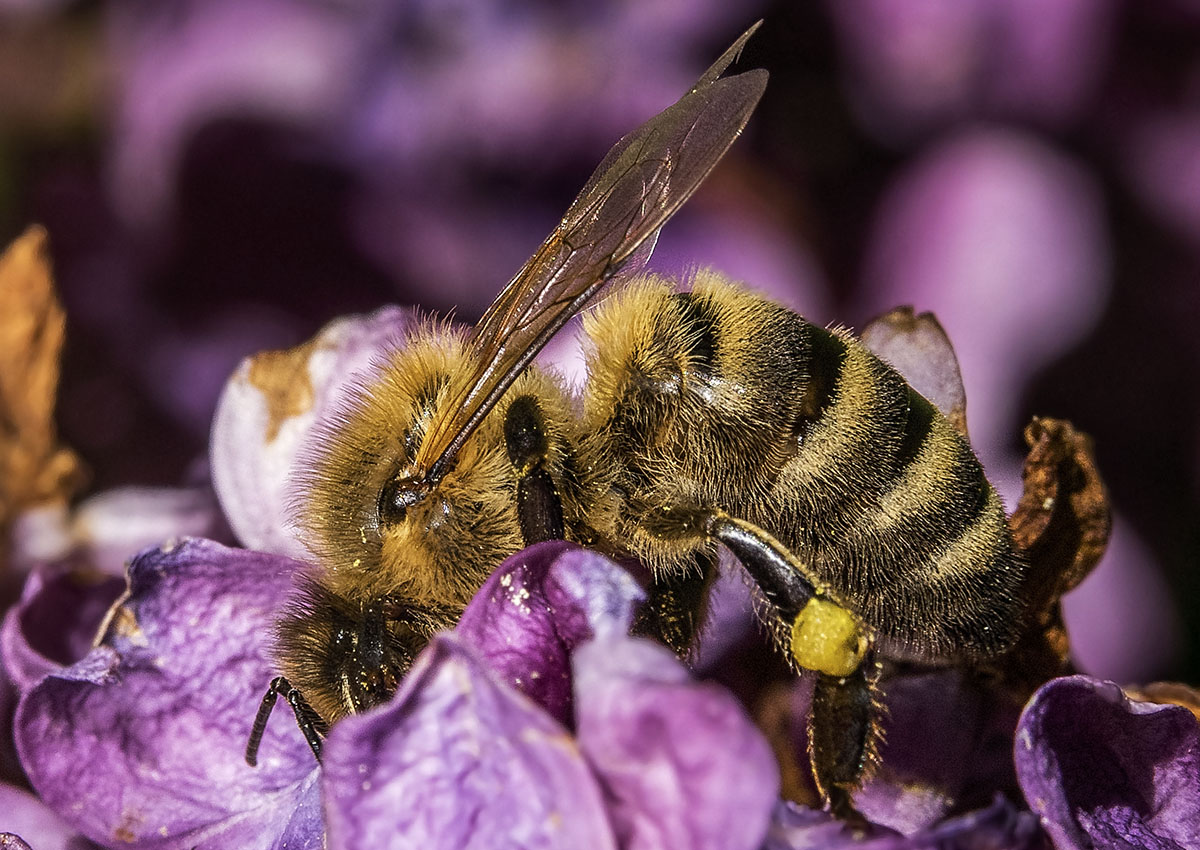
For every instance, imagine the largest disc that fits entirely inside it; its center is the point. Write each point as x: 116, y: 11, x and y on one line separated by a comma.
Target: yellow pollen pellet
x: 828, y: 638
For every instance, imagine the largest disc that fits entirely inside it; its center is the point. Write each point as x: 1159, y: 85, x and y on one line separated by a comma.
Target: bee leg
x: 311, y: 725
x: 676, y: 603
x: 826, y: 636
x: 843, y: 735
x: 539, y: 508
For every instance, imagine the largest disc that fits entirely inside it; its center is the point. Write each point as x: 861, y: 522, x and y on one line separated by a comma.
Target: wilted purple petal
x: 537, y: 607
x: 682, y: 765
x: 458, y: 760
x: 141, y: 742
x: 55, y: 622
x: 266, y: 415
x: 25, y: 815
x: 1105, y: 771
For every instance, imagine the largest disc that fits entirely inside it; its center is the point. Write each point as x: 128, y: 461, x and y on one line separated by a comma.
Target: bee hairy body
x: 708, y: 417
x: 715, y: 398
x: 721, y: 399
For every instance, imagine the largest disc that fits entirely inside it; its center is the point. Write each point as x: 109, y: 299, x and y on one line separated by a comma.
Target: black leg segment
x: 311, y: 725
x: 843, y: 733
x: 773, y: 568
x: 539, y: 508
x: 676, y: 604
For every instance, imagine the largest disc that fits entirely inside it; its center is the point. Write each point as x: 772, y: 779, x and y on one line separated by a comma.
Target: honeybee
x: 711, y: 417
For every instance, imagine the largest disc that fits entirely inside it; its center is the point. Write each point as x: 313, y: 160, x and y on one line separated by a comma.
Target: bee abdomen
x: 932, y: 560
x: 849, y: 440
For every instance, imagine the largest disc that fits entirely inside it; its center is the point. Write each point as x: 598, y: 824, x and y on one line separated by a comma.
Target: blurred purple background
x: 223, y: 176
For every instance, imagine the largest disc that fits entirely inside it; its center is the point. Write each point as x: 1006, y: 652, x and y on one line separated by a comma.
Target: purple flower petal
x: 1123, y: 622
x: 1104, y: 771
x: 458, y: 760
x: 292, y: 63
x: 266, y: 415
x: 537, y: 607
x: 799, y: 828
x: 26, y: 815
x: 1162, y: 158
x: 55, y: 622
x: 745, y: 244
x: 918, y: 348
x: 947, y: 745
x: 1000, y: 826
x: 683, y: 766
x: 141, y: 742
x: 106, y: 530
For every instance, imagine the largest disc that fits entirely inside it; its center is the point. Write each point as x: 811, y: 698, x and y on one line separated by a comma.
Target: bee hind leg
x: 843, y: 736
x: 823, y: 634
x: 539, y: 508
x: 311, y: 725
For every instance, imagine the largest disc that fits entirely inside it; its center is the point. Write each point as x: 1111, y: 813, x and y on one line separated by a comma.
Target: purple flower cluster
x: 539, y: 722
x: 140, y: 742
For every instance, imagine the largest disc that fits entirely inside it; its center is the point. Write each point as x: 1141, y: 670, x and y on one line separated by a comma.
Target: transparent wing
x: 608, y: 228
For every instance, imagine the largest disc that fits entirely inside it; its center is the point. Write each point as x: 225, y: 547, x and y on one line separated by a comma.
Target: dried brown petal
x: 34, y: 469
x: 1168, y: 693
x: 1061, y: 526
x: 918, y: 348
x: 1063, y: 520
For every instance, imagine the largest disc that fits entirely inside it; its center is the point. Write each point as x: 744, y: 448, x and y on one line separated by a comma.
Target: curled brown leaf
x: 1061, y: 526
x: 1063, y: 520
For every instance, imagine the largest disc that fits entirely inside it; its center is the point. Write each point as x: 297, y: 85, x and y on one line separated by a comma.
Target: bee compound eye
x: 397, y: 496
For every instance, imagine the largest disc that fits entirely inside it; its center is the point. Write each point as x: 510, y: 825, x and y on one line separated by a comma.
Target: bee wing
x: 611, y: 225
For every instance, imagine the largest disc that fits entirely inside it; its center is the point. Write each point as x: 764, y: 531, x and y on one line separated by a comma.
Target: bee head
x: 348, y: 655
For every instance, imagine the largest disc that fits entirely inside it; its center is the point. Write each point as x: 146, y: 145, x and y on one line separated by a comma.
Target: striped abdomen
x: 893, y: 508
x: 720, y: 398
